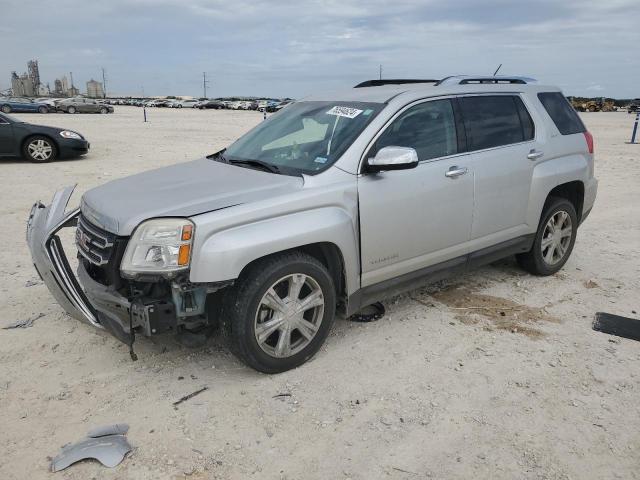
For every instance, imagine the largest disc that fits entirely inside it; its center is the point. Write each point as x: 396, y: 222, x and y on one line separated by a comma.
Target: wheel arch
x: 563, y: 177
x: 572, y: 191
x: 327, y: 253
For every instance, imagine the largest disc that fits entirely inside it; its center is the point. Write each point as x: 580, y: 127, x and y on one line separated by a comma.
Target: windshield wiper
x: 256, y: 164
x: 219, y: 156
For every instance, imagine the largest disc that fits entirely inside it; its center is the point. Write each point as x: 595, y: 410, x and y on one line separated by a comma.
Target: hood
x: 181, y: 190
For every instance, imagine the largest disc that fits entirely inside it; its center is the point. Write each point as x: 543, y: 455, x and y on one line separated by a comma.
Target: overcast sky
x: 291, y: 48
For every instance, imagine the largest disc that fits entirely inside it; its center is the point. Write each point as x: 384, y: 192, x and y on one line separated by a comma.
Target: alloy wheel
x: 289, y: 315
x: 40, y: 150
x: 556, y: 237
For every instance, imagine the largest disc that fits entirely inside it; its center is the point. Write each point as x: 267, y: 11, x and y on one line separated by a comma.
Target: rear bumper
x: 590, y: 192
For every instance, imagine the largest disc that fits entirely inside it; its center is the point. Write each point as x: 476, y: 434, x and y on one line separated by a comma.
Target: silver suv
x: 334, y: 202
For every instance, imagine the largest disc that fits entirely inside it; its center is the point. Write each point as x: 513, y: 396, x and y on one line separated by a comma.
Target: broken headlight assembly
x: 160, y: 246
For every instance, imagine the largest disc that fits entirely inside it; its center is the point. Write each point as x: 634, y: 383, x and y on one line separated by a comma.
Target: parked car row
x: 48, y: 105
x: 203, y: 104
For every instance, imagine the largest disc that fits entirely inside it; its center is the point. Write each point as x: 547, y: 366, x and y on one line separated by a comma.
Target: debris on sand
x: 187, y: 397
x: 106, y: 444
x: 504, y: 314
x: 24, y: 323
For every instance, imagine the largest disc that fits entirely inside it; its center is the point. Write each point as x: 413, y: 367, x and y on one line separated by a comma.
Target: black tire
x: 244, y: 298
x: 6, y: 108
x: 35, y: 157
x: 534, y: 261
x: 104, y: 110
x: 72, y: 110
x: 43, y: 110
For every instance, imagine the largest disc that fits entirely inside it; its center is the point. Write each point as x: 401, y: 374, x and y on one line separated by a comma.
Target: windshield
x: 305, y: 137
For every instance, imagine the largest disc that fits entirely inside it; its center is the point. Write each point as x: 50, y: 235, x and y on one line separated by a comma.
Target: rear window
x: 562, y: 113
x: 493, y: 121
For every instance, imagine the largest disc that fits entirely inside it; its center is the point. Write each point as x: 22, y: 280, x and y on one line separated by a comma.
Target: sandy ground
x: 445, y: 386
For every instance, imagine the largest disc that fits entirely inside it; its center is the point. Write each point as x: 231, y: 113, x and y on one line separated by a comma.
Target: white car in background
x: 191, y: 103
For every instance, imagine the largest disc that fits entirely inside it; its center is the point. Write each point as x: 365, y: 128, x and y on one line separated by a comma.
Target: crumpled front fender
x: 49, y: 258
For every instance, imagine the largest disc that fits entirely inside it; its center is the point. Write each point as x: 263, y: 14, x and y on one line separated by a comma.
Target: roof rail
x: 396, y: 81
x: 468, y: 79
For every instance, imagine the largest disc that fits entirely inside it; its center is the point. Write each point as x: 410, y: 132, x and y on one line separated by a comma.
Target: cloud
x: 290, y: 48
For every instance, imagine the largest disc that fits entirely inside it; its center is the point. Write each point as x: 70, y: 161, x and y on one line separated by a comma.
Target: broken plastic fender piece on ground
x: 108, y: 448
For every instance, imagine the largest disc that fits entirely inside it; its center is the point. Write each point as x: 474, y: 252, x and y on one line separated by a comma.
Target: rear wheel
x: 39, y: 149
x: 6, y: 108
x: 554, y: 240
x: 280, y: 312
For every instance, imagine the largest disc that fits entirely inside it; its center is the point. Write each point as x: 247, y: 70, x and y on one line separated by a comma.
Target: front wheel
x: 103, y: 110
x: 43, y: 110
x: 554, y: 239
x: 280, y: 311
x: 6, y: 108
x: 71, y: 110
x: 39, y: 149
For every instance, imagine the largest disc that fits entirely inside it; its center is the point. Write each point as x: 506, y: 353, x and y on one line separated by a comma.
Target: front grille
x: 94, y: 244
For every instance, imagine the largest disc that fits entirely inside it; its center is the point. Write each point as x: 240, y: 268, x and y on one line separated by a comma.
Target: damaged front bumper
x: 81, y: 297
x: 102, y: 306
x: 50, y: 260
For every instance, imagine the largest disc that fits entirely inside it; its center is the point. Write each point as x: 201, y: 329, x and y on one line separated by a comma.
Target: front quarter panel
x: 226, y: 241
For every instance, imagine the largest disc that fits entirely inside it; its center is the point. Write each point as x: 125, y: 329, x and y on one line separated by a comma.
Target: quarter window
x: 429, y: 128
x: 561, y: 112
x: 493, y: 121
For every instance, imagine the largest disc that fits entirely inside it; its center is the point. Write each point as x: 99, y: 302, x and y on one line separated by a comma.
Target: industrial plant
x: 29, y: 84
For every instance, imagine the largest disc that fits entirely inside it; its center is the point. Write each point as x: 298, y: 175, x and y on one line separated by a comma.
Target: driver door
x: 417, y: 218
x: 7, y: 142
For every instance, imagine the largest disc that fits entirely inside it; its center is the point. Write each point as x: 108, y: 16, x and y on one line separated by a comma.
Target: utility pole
x: 380, y: 72
x: 72, y: 87
x: 104, y: 84
x: 205, y: 82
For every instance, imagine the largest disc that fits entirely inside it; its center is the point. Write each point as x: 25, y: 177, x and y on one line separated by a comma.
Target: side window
x: 561, y: 112
x: 429, y: 128
x: 528, y: 128
x: 492, y: 121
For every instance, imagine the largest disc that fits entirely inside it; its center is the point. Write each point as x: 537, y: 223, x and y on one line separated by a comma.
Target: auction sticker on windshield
x: 344, y: 112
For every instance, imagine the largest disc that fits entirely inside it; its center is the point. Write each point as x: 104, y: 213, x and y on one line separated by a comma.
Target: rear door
x: 413, y: 219
x: 501, y: 137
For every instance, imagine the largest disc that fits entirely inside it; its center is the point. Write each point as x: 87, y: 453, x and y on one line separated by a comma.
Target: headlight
x: 70, y: 134
x: 160, y: 246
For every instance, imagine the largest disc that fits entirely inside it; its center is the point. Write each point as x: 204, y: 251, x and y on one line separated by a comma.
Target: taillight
x: 589, y: 138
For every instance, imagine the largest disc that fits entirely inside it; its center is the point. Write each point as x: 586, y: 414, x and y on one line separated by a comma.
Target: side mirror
x: 393, y: 158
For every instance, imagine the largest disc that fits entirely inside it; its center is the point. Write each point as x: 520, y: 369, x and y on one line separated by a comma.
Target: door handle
x: 455, y: 171
x: 534, y: 154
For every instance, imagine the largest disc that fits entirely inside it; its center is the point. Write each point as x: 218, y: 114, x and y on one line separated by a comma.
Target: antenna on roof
x: 496, y: 72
